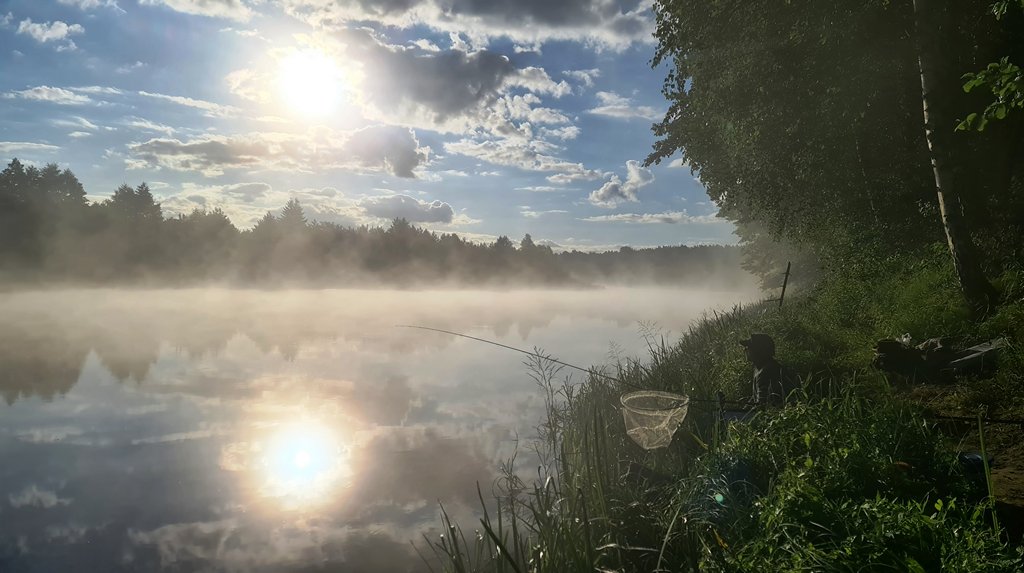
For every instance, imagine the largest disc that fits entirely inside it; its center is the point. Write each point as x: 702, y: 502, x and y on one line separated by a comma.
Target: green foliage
x: 1005, y: 81
x: 803, y: 120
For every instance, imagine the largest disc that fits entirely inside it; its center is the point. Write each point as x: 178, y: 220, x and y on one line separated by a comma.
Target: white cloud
x: 679, y: 162
x: 602, y: 23
x: 672, y: 217
x: 141, y: 123
x: 531, y: 214
x: 6, y: 20
x: 211, y: 109
x: 76, y: 122
x: 564, y: 133
x: 97, y: 90
x: 528, y: 155
x: 14, y: 146
x: 32, y: 496
x: 426, y: 45
x: 543, y: 189
x: 242, y: 32
x: 128, y: 68
x: 79, y: 134
x: 371, y: 149
x: 584, y: 77
x: 89, y: 4
x: 49, y: 94
x: 230, y: 9
x: 616, y: 191
x: 615, y: 105
x: 57, y: 32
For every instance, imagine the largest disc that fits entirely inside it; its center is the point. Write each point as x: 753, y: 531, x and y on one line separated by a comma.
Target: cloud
x: 679, y: 162
x: 371, y: 149
x: 9, y: 146
x: 140, y: 123
x: 408, y: 208
x: 49, y: 94
x: 211, y: 109
x: 436, y: 89
x: 542, y: 189
x: 616, y: 191
x: 242, y: 32
x: 564, y: 133
x: 79, y: 134
x: 426, y: 45
x: 529, y: 156
x: 230, y: 9
x: 76, y: 121
x: 128, y: 68
x: 97, y: 90
x: 57, y: 32
x: 89, y: 4
x: 673, y: 217
x: 584, y: 77
x: 597, y: 22
x: 32, y: 496
x: 531, y: 214
x: 614, y: 105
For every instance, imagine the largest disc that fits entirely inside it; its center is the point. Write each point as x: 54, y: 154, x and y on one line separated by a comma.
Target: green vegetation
x: 856, y: 477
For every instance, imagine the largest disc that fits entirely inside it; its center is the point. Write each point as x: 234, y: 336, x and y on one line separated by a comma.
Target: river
x: 247, y: 430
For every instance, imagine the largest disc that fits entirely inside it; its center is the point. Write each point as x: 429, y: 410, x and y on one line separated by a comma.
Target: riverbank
x: 857, y: 475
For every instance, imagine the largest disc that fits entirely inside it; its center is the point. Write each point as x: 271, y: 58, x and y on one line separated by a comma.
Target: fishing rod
x: 536, y: 354
x: 719, y: 401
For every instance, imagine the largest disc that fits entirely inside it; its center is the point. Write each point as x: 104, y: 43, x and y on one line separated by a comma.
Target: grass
x: 853, y: 478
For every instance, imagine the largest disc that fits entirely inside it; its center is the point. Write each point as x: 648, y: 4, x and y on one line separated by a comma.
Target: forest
x: 51, y: 232
x: 804, y: 123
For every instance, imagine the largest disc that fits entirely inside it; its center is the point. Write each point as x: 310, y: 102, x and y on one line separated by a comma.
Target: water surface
x: 228, y: 430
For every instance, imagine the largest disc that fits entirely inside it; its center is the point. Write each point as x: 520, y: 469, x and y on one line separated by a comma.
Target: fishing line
x: 536, y: 354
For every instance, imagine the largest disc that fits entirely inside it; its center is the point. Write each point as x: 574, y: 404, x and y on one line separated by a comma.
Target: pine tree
x: 292, y: 218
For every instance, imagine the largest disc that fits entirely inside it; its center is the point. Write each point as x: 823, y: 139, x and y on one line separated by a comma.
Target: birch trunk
x: 938, y: 128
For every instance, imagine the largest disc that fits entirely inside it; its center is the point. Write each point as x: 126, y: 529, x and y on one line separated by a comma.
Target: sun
x: 311, y: 83
x: 302, y: 462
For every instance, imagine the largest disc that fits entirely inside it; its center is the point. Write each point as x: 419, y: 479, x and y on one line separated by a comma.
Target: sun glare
x: 303, y: 462
x: 311, y: 83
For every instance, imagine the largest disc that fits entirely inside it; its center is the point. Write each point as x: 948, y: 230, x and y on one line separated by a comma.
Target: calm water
x: 219, y: 430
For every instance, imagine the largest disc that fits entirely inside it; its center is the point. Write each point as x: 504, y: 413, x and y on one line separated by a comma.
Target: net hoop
x: 672, y: 401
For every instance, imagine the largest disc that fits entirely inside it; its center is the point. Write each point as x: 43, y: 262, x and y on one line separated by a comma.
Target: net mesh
x: 652, y: 417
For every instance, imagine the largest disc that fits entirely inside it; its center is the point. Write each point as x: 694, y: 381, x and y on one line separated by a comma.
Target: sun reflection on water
x: 303, y: 463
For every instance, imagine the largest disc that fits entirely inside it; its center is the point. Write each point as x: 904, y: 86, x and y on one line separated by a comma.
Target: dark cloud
x: 395, y: 147
x: 375, y: 148
x: 606, y: 22
x: 408, y: 208
x: 247, y: 192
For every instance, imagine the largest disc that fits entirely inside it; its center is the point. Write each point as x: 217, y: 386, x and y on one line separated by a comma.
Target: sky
x: 479, y: 117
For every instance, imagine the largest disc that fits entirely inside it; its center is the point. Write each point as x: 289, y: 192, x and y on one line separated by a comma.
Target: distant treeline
x: 50, y: 232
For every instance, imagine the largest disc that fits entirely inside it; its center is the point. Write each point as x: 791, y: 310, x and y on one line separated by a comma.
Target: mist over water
x: 215, y: 429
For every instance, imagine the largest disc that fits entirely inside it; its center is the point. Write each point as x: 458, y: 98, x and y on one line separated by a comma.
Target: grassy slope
x: 854, y: 477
